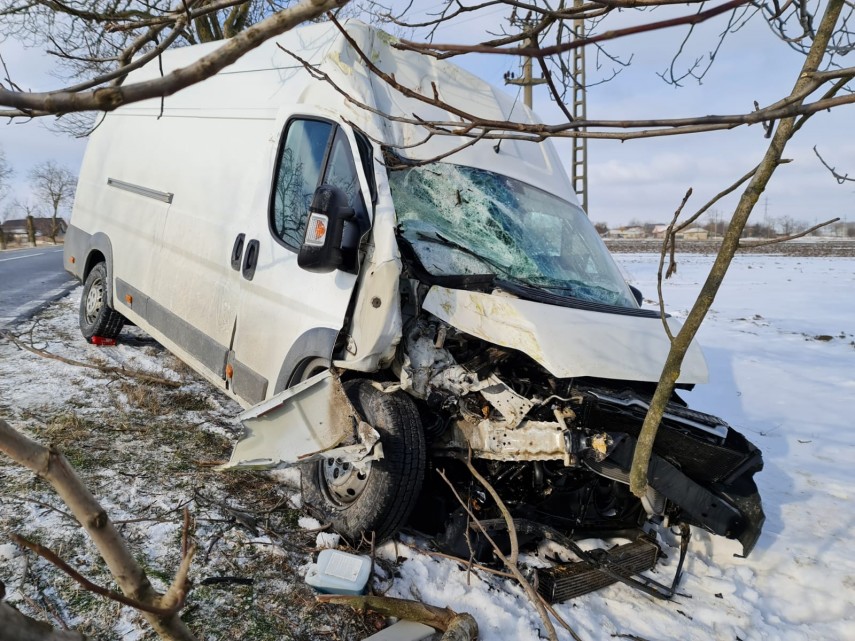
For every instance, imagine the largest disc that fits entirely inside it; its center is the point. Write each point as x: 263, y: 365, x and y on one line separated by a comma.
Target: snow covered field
x: 780, y: 343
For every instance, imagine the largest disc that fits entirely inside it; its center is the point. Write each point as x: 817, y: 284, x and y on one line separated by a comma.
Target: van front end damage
x: 559, y: 450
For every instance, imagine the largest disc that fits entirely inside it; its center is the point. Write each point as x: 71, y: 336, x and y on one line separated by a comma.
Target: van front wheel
x: 97, y: 318
x: 380, y: 496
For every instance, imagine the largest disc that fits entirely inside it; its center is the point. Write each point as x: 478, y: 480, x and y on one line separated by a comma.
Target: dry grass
x: 146, y: 452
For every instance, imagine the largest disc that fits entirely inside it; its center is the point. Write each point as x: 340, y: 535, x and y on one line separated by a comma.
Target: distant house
x: 659, y: 231
x: 626, y: 232
x: 693, y: 233
x: 16, y: 229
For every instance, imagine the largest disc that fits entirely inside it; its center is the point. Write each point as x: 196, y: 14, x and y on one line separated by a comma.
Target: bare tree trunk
x: 54, y: 468
x: 54, y: 226
x: 19, y: 627
x: 31, y: 230
x: 730, y: 243
x: 2, y: 238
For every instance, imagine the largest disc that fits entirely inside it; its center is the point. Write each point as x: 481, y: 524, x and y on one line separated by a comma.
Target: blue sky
x: 641, y: 179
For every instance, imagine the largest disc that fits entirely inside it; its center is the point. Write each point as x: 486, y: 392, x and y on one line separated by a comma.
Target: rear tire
x: 97, y: 318
x: 380, y: 497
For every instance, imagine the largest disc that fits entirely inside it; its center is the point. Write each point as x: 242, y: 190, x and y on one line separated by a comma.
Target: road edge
x: 32, y: 308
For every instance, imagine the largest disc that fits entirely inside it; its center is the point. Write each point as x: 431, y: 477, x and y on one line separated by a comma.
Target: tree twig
x: 840, y: 178
x: 50, y: 556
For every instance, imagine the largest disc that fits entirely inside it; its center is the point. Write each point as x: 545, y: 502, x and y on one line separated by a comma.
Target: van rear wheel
x: 97, y: 318
x: 380, y: 496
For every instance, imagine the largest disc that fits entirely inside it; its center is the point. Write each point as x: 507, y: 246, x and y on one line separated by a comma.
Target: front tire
x: 380, y: 497
x: 97, y: 318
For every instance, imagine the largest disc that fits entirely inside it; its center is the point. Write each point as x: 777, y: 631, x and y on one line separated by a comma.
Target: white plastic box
x: 338, y: 572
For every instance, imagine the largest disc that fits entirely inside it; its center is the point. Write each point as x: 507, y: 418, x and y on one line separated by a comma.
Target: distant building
x: 659, y: 231
x: 626, y: 232
x: 16, y: 229
x: 693, y: 233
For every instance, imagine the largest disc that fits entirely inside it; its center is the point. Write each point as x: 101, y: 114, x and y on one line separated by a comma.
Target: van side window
x: 299, y: 168
x: 315, y: 153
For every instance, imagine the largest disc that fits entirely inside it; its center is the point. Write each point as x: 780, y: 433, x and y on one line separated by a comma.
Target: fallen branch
x: 455, y: 626
x: 107, y: 369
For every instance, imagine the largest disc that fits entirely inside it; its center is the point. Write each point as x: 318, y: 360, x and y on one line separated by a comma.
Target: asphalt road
x: 29, y: 280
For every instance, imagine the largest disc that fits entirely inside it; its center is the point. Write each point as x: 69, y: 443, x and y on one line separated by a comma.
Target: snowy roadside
x: 780, y: 343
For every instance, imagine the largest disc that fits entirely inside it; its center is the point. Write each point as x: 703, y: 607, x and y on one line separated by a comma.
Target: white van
x: 292, y: 234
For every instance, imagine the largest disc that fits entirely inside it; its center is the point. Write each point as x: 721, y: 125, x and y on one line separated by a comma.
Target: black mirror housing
x: 639, y: 297
x: 321, y: 251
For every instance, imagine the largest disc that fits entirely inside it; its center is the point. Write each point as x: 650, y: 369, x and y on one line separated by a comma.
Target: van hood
x: 568, y: 342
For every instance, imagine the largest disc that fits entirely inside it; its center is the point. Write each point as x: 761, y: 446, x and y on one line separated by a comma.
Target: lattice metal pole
x: 579, y: 165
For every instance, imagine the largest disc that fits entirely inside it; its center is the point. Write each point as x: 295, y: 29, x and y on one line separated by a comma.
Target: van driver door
x: 283, y: 308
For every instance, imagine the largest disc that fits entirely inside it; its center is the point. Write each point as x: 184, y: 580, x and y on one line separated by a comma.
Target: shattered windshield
x: 463, y: 221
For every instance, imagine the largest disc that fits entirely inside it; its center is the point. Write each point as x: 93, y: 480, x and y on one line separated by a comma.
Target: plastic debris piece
x: 338, y: 572
x: 102, y: 341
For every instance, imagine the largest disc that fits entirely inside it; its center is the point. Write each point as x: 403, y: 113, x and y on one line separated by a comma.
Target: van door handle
x: 237, y: 251
x: 250, y: 259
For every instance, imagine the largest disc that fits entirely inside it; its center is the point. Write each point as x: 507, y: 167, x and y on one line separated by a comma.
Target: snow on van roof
x: 268, y: 80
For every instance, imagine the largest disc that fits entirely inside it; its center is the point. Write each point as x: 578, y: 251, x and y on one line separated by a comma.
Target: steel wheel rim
x: 94, y: 301
x: 343, y: 482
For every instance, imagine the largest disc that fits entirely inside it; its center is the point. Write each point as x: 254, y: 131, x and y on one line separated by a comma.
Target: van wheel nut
x: 375, y: 302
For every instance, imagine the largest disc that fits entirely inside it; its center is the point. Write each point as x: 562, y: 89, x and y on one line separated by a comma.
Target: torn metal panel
x: 296, y: 424
x: 509, y: 404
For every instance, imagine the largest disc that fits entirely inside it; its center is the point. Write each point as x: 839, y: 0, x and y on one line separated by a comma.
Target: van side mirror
x: 329, y: 214
x: 639, y: 297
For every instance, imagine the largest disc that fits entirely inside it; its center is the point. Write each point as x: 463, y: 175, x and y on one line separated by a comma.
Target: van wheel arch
x: 312, y: 346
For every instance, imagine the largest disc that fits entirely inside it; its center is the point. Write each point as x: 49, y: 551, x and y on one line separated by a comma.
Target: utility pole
x: 579, y: 168
x: 527, y: 81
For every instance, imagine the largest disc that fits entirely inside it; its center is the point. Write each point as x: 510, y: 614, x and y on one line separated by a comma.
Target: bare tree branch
x: 49, y: 555
x: 730, y: 243
x: 109, y: 98
x: 535, y: 52
x: 54, y: 468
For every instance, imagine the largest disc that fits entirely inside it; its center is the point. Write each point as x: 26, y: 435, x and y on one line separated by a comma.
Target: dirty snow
x: 780, y: 343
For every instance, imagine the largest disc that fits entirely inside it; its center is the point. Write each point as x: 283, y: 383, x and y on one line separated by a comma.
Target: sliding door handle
x: 250, y: 259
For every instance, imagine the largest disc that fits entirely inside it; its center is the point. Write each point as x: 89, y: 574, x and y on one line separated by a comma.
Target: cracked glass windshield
x: 461, y: 221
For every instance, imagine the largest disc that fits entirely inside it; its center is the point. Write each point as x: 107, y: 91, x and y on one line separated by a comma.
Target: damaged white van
x: 385, y: 302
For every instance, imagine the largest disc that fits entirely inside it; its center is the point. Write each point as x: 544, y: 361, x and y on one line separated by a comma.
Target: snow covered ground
x: 780, y: 343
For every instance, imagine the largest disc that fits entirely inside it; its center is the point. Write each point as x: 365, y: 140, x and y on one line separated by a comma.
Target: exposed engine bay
x: 558, y: 451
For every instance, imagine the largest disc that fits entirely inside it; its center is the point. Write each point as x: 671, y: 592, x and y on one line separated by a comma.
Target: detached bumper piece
x: 564, y: 582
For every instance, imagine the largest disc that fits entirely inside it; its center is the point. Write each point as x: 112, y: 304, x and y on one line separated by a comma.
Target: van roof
x: 268, y: 79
